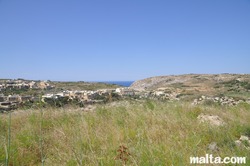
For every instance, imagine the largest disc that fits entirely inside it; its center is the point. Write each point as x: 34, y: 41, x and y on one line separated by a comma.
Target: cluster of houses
x: 13, y: 101
x: 90, y: 96
x: 160, y: 94
x: 24, y: 84
x: 219, y: 100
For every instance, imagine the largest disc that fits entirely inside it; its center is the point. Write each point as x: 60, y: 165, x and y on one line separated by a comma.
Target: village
x: 11, y: 87
x: 82, y: 97
x: 24, y: 84
x: 86, y: 97
x: 12, y: 101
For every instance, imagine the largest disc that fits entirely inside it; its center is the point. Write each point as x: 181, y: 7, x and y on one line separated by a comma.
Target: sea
x: 121, y: 83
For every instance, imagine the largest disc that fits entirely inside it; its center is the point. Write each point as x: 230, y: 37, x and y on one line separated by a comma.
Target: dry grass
x: 154, y: 133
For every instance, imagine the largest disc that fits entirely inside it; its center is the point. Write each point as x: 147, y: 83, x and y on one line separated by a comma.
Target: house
x: 47, y: 96
x: 14, y: 98
x: 32, y: 84
x: 127, y: 92
x: 3, y: 98
x: 118, y: 90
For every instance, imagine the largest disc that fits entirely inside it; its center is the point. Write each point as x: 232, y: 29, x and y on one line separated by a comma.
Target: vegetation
x: 236, y: 85
x: 121, y: 133
x: 59, y: 86
x: 179, y: 85
x: 82, y: 85
x: 18, y: 91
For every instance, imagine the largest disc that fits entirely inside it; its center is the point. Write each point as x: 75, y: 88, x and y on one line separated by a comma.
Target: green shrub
x: 195, y: 112
x: 150, y: 105
x: 209, y: 102
x: 246, y: 131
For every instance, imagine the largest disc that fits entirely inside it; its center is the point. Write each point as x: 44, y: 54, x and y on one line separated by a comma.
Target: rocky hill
x: 208, y: 84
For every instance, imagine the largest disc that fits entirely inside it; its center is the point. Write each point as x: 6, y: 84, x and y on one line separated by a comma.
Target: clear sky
x: 99, y: 40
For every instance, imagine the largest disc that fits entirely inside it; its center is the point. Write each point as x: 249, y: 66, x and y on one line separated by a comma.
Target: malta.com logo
x: 210, y: 159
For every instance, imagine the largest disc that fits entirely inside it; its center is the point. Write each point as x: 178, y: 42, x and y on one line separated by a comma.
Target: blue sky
x: 93, y: 40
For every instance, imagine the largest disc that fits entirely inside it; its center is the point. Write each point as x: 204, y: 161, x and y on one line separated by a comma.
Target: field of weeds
x: 121, y: 133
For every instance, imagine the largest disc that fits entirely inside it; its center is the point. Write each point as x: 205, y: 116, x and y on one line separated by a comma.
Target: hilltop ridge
x: 210, y: 84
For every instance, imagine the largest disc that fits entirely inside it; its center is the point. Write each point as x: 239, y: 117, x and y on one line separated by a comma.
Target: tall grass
x: 149, y: 132
x: 41, y: 138
x: 9, y: 139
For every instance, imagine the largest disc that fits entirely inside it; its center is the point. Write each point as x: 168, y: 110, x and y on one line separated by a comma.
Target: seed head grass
x: 125, y: 133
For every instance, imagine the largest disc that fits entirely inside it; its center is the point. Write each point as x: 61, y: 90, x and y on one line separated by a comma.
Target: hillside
x: 191, y: 84
x: 81, y: 85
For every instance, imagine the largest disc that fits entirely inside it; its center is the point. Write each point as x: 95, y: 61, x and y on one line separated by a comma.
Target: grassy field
x: 83, y: 85
x: 122, y: 133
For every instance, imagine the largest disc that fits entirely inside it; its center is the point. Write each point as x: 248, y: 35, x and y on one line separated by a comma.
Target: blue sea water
x: 122, y: 83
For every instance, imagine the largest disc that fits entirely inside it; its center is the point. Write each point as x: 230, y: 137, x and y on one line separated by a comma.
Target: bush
x: 58, y: 102
x: 150, y: 105
x: 208, y: 102
x: 246, y: 131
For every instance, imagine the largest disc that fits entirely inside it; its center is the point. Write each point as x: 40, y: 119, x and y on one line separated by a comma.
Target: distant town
x: 80, y: 97
x: 223, y: 89
x: 12, y: 101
